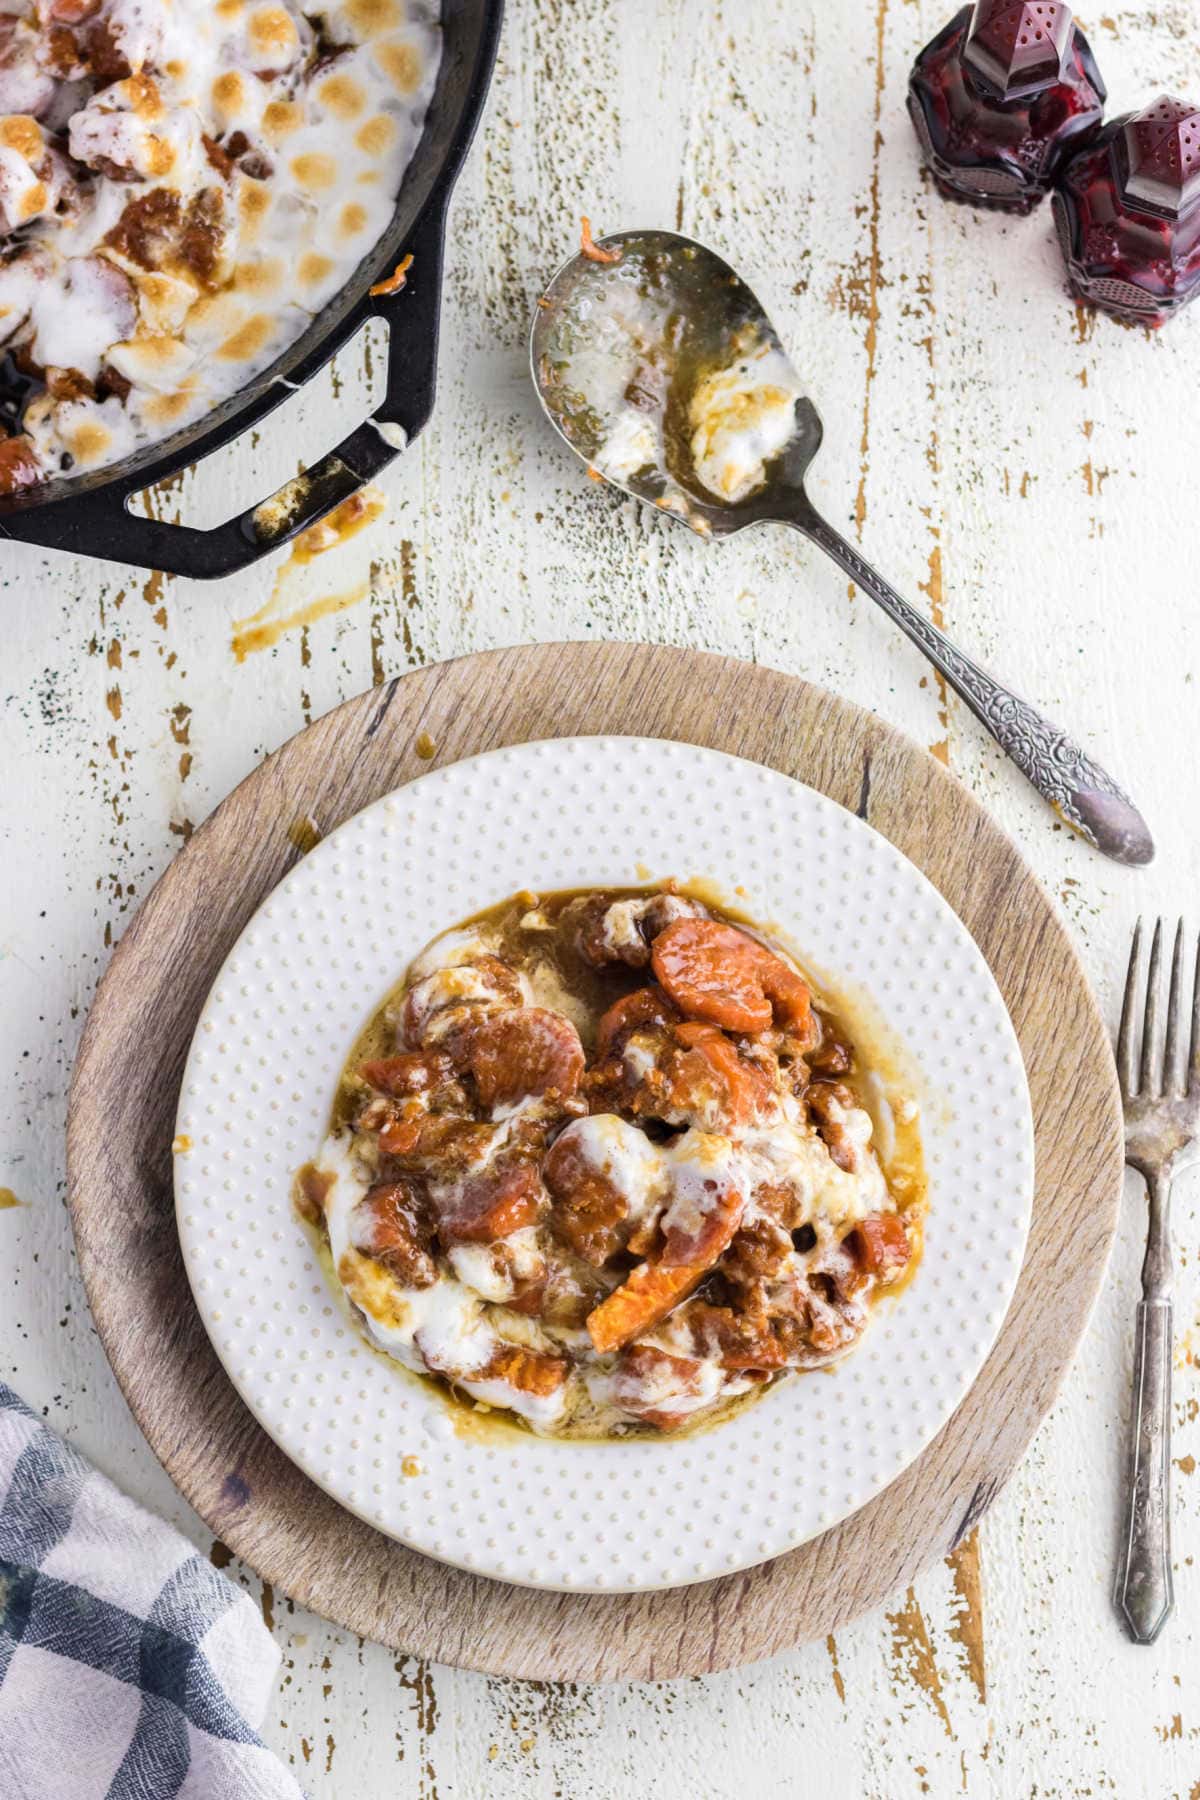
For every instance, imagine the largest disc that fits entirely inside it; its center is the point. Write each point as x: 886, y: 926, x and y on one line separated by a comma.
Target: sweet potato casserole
x: 184, y: 184
x: 604, y: 1162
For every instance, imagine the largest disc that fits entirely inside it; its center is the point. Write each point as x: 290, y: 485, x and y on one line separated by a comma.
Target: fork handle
x: 1145, y: 1594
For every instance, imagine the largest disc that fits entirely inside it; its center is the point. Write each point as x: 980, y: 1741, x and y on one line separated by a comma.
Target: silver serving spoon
x: 656, y: 363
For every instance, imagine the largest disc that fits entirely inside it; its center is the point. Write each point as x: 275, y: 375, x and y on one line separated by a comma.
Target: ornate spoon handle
x: 1081, y: 792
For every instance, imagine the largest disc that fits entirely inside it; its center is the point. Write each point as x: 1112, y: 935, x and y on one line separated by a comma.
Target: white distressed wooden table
x: 1029, y: 472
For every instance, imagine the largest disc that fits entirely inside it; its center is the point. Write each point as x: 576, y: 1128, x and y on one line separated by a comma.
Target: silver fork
x: 1161, y: 1092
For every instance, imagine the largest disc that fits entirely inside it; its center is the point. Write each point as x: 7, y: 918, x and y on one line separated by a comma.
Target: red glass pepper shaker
x: 1002, y: 97
x: 1128, y: 213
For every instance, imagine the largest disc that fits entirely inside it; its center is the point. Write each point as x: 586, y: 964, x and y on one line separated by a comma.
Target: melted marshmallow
x: 741, y: 418
x: 267, y: 225
x: 443, y: 1328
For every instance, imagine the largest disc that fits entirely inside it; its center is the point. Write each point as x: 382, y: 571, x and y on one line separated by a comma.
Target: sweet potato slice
x: 529, y: 1371
x: 389, y: 1225
x: 788, y: 993
x: 485, y: 1205
x: 657, y: 1387
x: 591, y: 1210
x: 650, y: 1292
x: 407, y: 1074
x: 485, y: 985
x: 524, y: 1052
x: 656, y: 1286
x: 632, y: 1012
x: 711, y: 972
x: 720, y: 975
x: 710, y: 1064
x: 880, y: 1246
x: 699, y: 1224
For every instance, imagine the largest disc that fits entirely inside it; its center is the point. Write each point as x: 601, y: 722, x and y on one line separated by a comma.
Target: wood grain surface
x: 131, y: 1060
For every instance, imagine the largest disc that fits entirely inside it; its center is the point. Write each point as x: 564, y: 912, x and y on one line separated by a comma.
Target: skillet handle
x: 101, y: 524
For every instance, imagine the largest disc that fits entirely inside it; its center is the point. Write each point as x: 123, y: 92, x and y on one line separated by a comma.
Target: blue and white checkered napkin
x: 129, y: 1669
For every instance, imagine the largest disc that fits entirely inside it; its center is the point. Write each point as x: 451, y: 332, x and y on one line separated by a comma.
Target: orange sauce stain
x: 338, y: 526
x: 304, y: 833
x: 7, y: 1199
x: 838, y: 1682
x: 282, y: 613
x: 265, y: 628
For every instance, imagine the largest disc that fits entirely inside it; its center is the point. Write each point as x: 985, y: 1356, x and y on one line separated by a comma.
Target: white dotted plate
x: 311, y: 967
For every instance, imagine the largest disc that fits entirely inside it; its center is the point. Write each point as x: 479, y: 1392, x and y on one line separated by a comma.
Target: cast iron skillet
x: 90, y: 516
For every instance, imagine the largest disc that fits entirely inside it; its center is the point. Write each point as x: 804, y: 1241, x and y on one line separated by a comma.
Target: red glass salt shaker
x: 1128, y: 213
x: 1001, y: 98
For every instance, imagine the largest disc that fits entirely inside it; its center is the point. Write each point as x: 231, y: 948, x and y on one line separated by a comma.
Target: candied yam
x: 606, y: 1179
x: 791, y: 1002
x: 529, y: 1371
x: 759, y: 1248
x: 700, y: 1222
x: 622, y: 931
x: 400, y: 1137
x: 828, y: 1102
x: 488, y: 1204
x: 610, y: 931
x: 738, y: 1089
x: 711, y: 973
x: 19, y: 465
x: 593, y: 938
x: 742, y: 1341
x: 484, y: 985
x: 718, y: 974
x: 833, y: 1056
x: 645, y: 1298
x: 310, y: 1192
x: 684, y: 1073
x: 589, y: 1207
x: 783, y: 1202
x: 511, y: 1272
x: 440, y: 1140
x: 406, y: 1074
x: 647, y: 1380
x: 633, y: 1012
x: 880, y: 1246
x: 389, y: 1225
x: 524, y: 1052
x: 834, y: 1323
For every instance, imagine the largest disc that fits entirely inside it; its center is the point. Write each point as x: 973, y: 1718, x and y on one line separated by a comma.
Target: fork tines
x: 1173, y: 1070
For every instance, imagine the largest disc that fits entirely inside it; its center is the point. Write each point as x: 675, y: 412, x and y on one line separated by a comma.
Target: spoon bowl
x: 657, y: 364
x: 618, y: 346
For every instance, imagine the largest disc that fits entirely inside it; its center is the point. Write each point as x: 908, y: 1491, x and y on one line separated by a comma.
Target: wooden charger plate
x: 131, y: 1061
